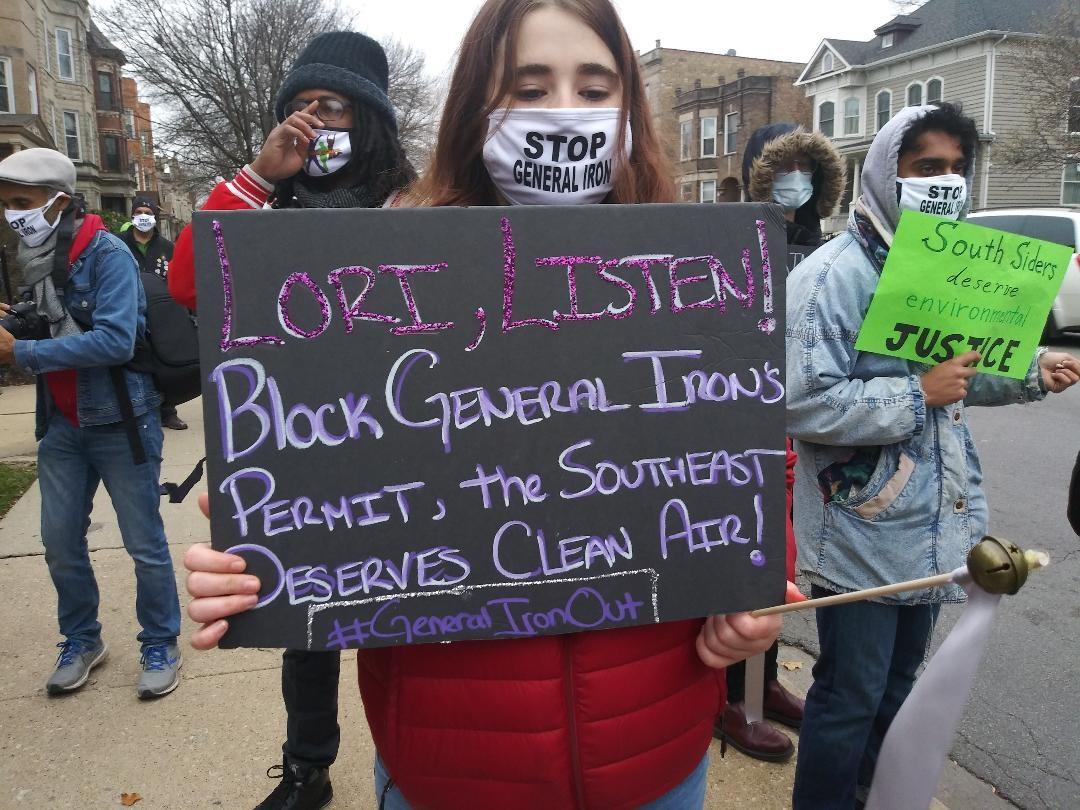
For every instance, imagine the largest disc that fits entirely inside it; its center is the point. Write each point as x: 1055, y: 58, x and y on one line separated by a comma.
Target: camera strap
x: 65, y: 232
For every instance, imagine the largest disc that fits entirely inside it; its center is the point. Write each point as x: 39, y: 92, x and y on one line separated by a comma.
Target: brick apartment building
x: 704, y: 107
x: 140, y: 139
x: 116, y: 183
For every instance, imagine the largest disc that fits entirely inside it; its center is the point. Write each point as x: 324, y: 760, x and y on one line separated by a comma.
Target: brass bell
x: 998, y: 566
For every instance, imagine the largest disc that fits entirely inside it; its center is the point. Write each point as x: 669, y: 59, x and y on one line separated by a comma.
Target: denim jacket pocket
x: 887, y: 495
x: 891, y: 474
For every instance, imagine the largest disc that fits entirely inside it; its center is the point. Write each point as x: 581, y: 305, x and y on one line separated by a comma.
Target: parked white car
x: 1060, y: 225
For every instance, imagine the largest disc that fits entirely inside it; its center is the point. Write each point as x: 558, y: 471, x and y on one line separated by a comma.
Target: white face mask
x: 942, y: 196
x: 555, y: 157
x: 793, y: 189
x: 328, y: 153
x: 31, y: 226
x: 144, y: 222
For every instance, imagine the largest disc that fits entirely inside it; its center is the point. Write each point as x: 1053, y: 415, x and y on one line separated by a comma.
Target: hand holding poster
x: 439, y: 424
x: 952, y: 287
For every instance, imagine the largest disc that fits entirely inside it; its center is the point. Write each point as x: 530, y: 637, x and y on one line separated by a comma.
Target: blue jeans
x: 71, y: 463
x: 870, y: 653
x: 689, y: 795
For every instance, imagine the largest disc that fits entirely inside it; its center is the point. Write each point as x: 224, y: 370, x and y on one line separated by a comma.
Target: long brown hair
x: 457, y: 175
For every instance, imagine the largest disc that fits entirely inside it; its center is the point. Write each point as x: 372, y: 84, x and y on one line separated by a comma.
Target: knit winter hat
x: 346, y: 62
x: 145, y: 202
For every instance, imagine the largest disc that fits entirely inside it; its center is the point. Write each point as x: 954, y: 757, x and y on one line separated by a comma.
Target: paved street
x: 1019, y: 730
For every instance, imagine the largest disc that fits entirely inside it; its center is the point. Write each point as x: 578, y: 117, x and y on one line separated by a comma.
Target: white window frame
x: 1074, y: 90
x: 686, y: 191
x: 858, y: 116
x: 833, y: 119
x: 704, y: 121
x: 31, y: 83
x: 828, y: 62
x: 129, y: 123
x: 887, y: 40
x: 1066, y: 183
x: 78, y: 134
x: 686, y: 140
x: 728, y: 133
x: 10, y: 94
x: 926, y: 89
x: 708, y: 184
x: 70, y: 54
x: 922, y: 94
x: 877, y: 109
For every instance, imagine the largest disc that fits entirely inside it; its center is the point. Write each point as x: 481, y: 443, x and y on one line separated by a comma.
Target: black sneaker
x: 301, y: 788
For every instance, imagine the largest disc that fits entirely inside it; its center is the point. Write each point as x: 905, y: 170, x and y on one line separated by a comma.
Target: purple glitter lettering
x: 509, y: 272
x: 351, y: 312
x: 402, y: 272
x: 283, y: 306
x: 227, y: 341
x: 571, y: 263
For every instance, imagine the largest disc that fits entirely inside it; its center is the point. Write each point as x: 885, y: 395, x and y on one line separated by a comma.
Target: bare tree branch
x: 1050, y: 67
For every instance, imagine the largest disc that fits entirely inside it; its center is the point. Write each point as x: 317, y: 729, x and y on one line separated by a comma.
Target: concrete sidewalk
x: 209, y: 743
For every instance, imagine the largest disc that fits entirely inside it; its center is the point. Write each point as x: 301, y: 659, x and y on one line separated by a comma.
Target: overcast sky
x: 775, y: 29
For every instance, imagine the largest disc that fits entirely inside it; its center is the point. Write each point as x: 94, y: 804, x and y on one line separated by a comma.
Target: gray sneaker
x: 161, y: 670
x: 73, y: 665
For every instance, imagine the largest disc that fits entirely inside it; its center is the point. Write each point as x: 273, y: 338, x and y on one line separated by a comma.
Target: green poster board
x: 952, y: 287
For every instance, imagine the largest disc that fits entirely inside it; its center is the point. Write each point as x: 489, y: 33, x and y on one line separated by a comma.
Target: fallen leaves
x: 129, y: 799
x: 791, y: 666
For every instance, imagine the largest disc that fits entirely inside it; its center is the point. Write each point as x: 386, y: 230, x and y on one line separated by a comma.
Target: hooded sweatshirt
x: 879, y: 202
x: 773, y: 145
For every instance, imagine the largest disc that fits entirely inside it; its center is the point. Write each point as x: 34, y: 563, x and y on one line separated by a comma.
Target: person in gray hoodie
x: 888, y: 484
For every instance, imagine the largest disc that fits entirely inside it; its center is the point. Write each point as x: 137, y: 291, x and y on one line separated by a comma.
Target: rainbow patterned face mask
x: 328, y: 153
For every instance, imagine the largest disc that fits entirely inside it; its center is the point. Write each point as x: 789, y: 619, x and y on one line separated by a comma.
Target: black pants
x: 736, y: 674
x: 167, y: 411
x: 309, y: 685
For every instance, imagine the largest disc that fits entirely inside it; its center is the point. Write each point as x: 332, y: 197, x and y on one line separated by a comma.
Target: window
x: 110, y: 153
x: 708, y: 191
x: 1070, y: 188
x: 731, y: 133
x: 129, y: 123
x: 686, y: 191
x: 1074, y: 106
x: 7, y: 92
x: 106, y: 97
x: 71, y: 134
x: 686, y: 140
x: 934, y: 89
x: 1059, y: 230
x: 825, y: 118
x: 65, y: 61
x: 886, y: 41
x: 31, y: 83
x: 827, y: 62
x: 914, y: 95
x: 708, y: 138
x: 884, y: 108
x: 145, y: 144
x: 851, y: 116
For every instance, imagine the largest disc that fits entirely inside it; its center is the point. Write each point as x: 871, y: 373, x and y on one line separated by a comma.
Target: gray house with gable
x: 962, y: 51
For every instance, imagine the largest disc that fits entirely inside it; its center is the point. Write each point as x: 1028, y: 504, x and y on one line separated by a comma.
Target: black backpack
x: 170, y: 349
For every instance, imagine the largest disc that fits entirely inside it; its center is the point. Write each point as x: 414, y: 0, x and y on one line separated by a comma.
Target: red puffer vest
x: 607, y: 719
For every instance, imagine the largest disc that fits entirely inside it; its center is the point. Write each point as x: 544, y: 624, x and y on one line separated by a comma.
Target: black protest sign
x: 440, y: 424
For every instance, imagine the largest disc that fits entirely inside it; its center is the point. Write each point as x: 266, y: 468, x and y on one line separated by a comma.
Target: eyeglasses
x: 330, y: 109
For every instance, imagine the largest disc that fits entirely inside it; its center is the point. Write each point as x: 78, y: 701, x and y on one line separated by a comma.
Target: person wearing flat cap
x: 76, y: 329
x: 336, y: 146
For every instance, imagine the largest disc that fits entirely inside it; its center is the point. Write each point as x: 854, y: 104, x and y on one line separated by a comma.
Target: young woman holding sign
x: 543, y: 90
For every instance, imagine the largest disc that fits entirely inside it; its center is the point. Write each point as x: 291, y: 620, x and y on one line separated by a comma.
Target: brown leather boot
x: 782, y: 706
x: 757, y: 740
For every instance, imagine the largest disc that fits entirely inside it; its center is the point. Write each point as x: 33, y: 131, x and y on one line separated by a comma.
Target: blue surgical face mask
x: 793, y: 189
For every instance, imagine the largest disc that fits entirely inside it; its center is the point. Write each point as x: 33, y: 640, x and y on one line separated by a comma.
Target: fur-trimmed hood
x: 770, y: 146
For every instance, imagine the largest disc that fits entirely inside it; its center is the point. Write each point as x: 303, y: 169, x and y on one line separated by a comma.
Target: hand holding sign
x: 948, y: 383
x: 286, y: 146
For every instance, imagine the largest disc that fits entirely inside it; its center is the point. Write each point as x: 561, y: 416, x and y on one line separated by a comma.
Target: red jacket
x: 246, y: 190
x: 607, y: 719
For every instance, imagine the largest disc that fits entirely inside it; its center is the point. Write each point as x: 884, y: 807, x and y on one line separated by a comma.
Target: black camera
x: 24, y: 322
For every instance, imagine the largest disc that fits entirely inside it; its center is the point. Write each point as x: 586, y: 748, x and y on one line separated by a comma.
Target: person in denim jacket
x: 888, y: 485
x: 93, y: 320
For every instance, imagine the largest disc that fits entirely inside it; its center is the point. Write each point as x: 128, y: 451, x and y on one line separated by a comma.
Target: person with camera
x: 76, y: 329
